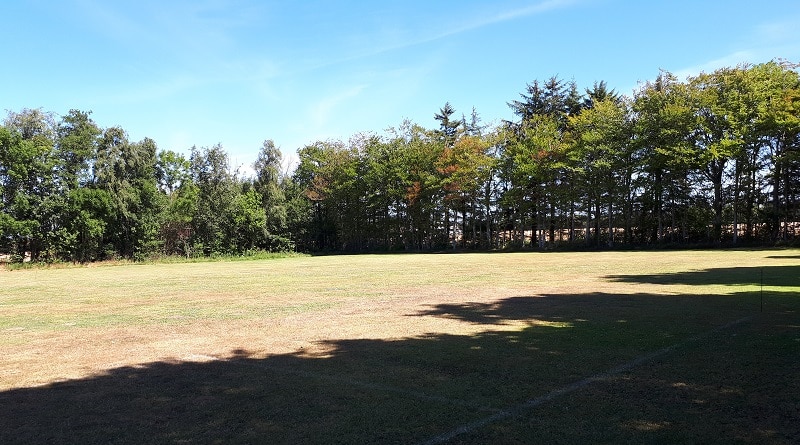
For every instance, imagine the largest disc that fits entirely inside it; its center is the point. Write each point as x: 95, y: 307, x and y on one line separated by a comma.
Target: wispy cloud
x: 729, y: 60
x: 479, y: 19
x: 500, y: 17
x: 764, y: 42
x: 780, y: 31
x: 321, y: 111
x: 152, y: 91
x: 174, y: 47
x: 508, y: 15
x: 110, y: 22
x: 185, y: 22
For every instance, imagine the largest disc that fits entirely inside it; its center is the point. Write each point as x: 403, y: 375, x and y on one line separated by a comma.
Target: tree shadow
x: 409, y: 390
x: 737, y: 386
x: 783, y: 276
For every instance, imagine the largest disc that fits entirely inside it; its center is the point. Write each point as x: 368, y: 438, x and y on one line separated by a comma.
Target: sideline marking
x: 564, y: 390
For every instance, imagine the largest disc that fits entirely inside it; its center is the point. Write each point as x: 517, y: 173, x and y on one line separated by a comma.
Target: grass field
x: 604, y: 347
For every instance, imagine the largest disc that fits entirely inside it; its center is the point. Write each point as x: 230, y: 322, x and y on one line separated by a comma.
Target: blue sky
x: 237, y: 72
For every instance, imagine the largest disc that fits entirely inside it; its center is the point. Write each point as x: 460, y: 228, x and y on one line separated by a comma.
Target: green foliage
x: 267, y: 185
x: 217, y: 190
x: 89, y: 212
x: 249, y: 221
x: 172, y: 171
x: 76, y: 148
x: 29, y: 189
x: 712, y: 159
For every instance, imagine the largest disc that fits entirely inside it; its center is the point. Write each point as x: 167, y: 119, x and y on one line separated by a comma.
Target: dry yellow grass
x: 68, y: 323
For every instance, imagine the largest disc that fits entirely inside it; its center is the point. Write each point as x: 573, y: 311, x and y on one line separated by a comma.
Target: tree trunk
x: 610, y: 224
x: 658, y: 201
x: 571, y: 220
x: 628, y: 208
x: 588, y: 234
x: 736, y: 180
x: 716, y: 179
x: 597, y: 215
x: 552, y: 223
x: 777, y: 173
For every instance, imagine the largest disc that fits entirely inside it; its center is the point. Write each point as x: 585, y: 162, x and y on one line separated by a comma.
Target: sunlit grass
x: 176, y: 292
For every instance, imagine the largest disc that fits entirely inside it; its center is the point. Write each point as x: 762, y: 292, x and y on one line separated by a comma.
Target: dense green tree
x: 174, y: 178
x: 172, y: 171
x: 553, y: 98
x: 77, y: 136
x: 777, y: 85
x: 424, y: 225
x: 17, y: 222
x: 267, y: 184
x: 604, y: 160
x: 298, y: 215
x: 330, y: 173
x: 535, y: 166
x: 663, y: 124
x: 87, y: 216
x: 385, y: 190
x: 217, y: 190
x: 598, y: 93
x: 33, y: 124
x: 248, y: 222
x: 127, y: 171
x: 80, y: 214
x: 465, y: 168
x: 448, y: 126
x: 27, y: 163
x: 717, y: 136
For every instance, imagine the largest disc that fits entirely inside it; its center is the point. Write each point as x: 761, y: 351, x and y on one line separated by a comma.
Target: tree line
x: 72, y: 191
x: 711, y: 159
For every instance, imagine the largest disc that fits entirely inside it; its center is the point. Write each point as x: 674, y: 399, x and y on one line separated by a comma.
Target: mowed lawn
x: 597, y: 347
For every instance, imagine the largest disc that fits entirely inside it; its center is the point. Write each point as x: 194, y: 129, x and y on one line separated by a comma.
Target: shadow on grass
x: 410, y: 390
x: 784, y: 276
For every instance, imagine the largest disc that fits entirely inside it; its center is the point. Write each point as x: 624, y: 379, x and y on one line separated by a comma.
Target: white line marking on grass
x: 572, y: 387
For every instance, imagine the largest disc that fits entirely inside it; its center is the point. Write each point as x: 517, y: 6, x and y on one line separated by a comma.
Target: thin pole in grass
x: 762, y: 289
